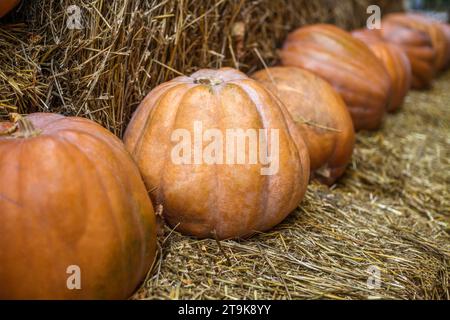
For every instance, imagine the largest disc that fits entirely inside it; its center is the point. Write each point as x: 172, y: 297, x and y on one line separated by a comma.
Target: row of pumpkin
x: 74, y: 197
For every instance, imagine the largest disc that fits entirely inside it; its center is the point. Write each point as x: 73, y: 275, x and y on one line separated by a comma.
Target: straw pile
x: 126, y: 47
x: 390, y: 211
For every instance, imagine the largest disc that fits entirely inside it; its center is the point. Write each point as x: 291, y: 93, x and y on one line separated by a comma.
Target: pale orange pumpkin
x: 320, y: 114
x: 7, y: 5
x: 348, y: 64
x: 70, y: 197
x: 216, y: 198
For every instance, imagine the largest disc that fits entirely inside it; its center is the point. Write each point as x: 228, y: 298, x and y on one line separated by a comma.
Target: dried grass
x: 128, y: 46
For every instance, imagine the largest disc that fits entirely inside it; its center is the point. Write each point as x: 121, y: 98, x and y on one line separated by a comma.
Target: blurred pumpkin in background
x: 71, y: 199
x: 398, y: 66
x: 7, y: 5
x: 348, y: 64
x: 320, y: 114
x: 395, y: 61
x: 218, y: 198
x: 422, y: 41
x: 446, y: 29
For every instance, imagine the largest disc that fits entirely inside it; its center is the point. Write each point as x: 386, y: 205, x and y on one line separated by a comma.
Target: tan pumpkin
x: 348, y: 64
x: 395, y: 61
x: 7, y: 5
x: 217, y: 198
x: 420, y: 41
x: 71, y: 197
x: 320, y: 114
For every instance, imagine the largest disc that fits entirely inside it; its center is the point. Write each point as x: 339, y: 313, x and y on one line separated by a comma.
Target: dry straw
x: 126, y: 47
x: 390, y: 211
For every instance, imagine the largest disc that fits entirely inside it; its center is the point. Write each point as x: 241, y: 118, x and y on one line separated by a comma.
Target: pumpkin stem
x: 22, y: 127
x: 208, y: 81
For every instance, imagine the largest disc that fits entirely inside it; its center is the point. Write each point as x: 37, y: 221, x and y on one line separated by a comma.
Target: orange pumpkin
x: 395, y: 61
x: 437, y: 35
x: 320, y: 114
x: 446, y: 29
x: 7, y: 5
x: 74, y: 212
x: 348, y: 64
x: 397, y: 64
x: 368, y: 35
x: 422, y: 42
x: 203, y: 194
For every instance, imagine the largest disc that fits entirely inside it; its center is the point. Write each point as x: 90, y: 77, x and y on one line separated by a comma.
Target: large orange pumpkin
x: 395, y: 61
x: 348, y: 64
x: 421, y: 42
x: 7, y: 5
x: 320, y: 114
x: 217, y: 198
x: 72, y: 203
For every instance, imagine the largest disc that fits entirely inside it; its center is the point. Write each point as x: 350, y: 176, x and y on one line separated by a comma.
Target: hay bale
x: 127, y: 47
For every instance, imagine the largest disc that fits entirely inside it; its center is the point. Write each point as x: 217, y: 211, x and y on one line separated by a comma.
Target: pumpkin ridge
x: 246, y: 85
x: 350, y: 65
x: 137, y: 216
x: 285, y: 113
x: 139, y: 141
x: 240, y: 84
x: 135, y: 121
x: 336, y: 65
x: 159, y: 190
x: 107, y: 196
x: 216, y: 168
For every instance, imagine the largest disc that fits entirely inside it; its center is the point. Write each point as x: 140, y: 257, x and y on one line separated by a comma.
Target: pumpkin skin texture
x: 7, y: 5
x: 217, y: 200
x: 438, y: 38
x: 414, y: 37
x: 398, y: 66
x: 70, y: 194
x: 320, y: 114
x: 368, y: 35
x: 446, y: 29
x: 348, y: 64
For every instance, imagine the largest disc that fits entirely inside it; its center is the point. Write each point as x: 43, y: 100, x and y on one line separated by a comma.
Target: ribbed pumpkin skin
x: 438, y: 38
x: 72, y: 196
x: 217, y: 200
x: 394, y: 59
x: 348, y: 64
x: 320, y: 114
x: 419, y: 40
x: 397, y: 64
x: 7, y: 5
x: 446, y: 29
x: 367, y: 35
